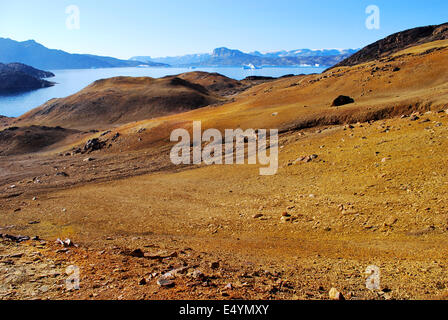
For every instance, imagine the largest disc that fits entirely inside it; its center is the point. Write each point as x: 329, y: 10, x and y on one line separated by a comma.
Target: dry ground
x: 375, y: 195
x: 394, y: 216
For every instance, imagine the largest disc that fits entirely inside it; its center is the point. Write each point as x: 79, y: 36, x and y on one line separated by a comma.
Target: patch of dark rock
x: 62, y: 174
x: 14, y: 238
x: 116, y: 136
x: 93, y: 145
x: 342, y: 100
x: 258, y: 78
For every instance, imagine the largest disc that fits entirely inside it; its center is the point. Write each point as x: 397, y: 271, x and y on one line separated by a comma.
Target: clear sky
x: 156, y: 28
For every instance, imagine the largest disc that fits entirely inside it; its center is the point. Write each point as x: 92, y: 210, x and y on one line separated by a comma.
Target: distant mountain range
x: 17, y: 77
x: 224, y: 57
x: 32, y: 53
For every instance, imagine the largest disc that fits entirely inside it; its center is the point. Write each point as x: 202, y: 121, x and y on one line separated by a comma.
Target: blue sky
x: 173, y: 27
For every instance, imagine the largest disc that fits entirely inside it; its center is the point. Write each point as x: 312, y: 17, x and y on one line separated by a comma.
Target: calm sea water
x: 71, y: 81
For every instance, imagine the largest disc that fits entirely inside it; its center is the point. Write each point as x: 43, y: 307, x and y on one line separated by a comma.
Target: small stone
x: 62, y: 174
x: 142, y: 282
x: 214, y: 265
x: 138, y: 253
x: 197, y: 274
x: 162, y: 282
x: 256, y: 216
x: 390, y: 221
x: 334, y: 294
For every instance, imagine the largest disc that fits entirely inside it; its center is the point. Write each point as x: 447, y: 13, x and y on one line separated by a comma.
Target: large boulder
x: 342, y: 100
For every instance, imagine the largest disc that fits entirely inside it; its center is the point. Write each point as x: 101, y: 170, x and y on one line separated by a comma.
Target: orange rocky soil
x: 374, y: 193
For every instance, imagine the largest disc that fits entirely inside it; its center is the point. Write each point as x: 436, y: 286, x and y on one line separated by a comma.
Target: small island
x: 18, y: 77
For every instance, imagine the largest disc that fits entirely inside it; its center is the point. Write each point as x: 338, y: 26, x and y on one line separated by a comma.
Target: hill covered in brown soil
x: 15, y: 141
x: 397, y: 42
x: 121, y: 100
x: 415, y: 79
x: 214, y: 82
x: 4, y: 121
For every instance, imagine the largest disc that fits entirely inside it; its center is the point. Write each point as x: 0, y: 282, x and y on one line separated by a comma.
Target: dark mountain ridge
x: 32, y: 53
x: 397, y: 42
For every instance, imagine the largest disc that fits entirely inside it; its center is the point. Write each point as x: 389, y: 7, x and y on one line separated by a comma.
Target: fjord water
x: 71, y: 81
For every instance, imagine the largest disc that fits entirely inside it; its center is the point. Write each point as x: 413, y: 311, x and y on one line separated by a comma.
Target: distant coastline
x: 70, y: 81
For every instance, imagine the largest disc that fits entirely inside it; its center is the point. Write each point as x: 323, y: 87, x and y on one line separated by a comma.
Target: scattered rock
x: 334, y: 294
x: 138, y: 253
x: 390, y: 221
x: 214, y: 265
x: 197, y: 274
x: 165, y: 283
x: 256, y: 216
x: 14, y: 238
x: 93, y: 145
x: 62, y: 174
x: 160, y: 256
x: 116, y: 136
x: 306, y: 159
x: 66, y: 243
